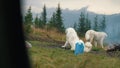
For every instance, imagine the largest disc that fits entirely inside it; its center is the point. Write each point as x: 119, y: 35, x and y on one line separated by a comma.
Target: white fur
x: 28, y: 45
x: 71, y: 38
x: 89, y: 35
x: 97, y: 37
x: 88, y: 47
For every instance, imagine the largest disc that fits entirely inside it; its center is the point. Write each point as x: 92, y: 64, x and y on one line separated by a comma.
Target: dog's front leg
x: 66, y: 43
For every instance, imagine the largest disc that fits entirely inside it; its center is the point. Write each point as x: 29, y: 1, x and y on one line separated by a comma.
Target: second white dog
x: 97, y: 37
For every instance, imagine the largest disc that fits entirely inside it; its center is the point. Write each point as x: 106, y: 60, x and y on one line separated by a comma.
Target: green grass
x: 96, y: 48
x: 46, y: 57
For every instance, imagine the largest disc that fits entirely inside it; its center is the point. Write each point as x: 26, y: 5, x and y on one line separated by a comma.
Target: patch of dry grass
x: 48, y: 34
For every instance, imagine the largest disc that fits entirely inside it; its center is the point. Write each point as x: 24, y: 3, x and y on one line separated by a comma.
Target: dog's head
x: 88, y: 47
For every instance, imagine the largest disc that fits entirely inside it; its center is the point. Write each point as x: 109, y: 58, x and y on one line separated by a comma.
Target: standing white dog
x: 97, y: 37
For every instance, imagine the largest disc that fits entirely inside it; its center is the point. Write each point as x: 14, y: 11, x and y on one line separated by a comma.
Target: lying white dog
x: 72, y: 39
x: 97, y: 37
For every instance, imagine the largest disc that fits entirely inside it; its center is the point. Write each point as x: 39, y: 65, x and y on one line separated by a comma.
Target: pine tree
x: 103, y: 23
x: 28, y: 22
x: 81, y: 24
x: 59, y: 21
x: 44, y: 14
x: 87, y: 23
x: 41, y: 24
x: 75, y: 26
x: 84, y: 24
x: 36, y: 21
x: 28, y: 17
x: 52, y: 22
x: 96, y: 27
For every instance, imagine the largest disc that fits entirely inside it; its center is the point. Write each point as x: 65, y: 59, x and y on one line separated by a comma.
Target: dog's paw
x: 72, y: 49
x: 62, y: 46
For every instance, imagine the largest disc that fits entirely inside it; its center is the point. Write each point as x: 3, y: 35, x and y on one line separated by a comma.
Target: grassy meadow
x: 46, y: 52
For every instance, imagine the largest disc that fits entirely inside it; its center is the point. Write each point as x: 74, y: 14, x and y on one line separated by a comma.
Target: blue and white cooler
x: 79, y: 48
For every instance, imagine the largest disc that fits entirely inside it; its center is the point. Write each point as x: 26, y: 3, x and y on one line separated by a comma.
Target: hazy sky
x: 97, y: 6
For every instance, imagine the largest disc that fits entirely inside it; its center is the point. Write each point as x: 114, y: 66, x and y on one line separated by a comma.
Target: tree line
x: 56, y: 21
x: 84, y: 23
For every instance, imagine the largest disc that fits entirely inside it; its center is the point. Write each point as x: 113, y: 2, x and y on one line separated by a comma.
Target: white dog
x: 71, y: 38
x: 97, y: 37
